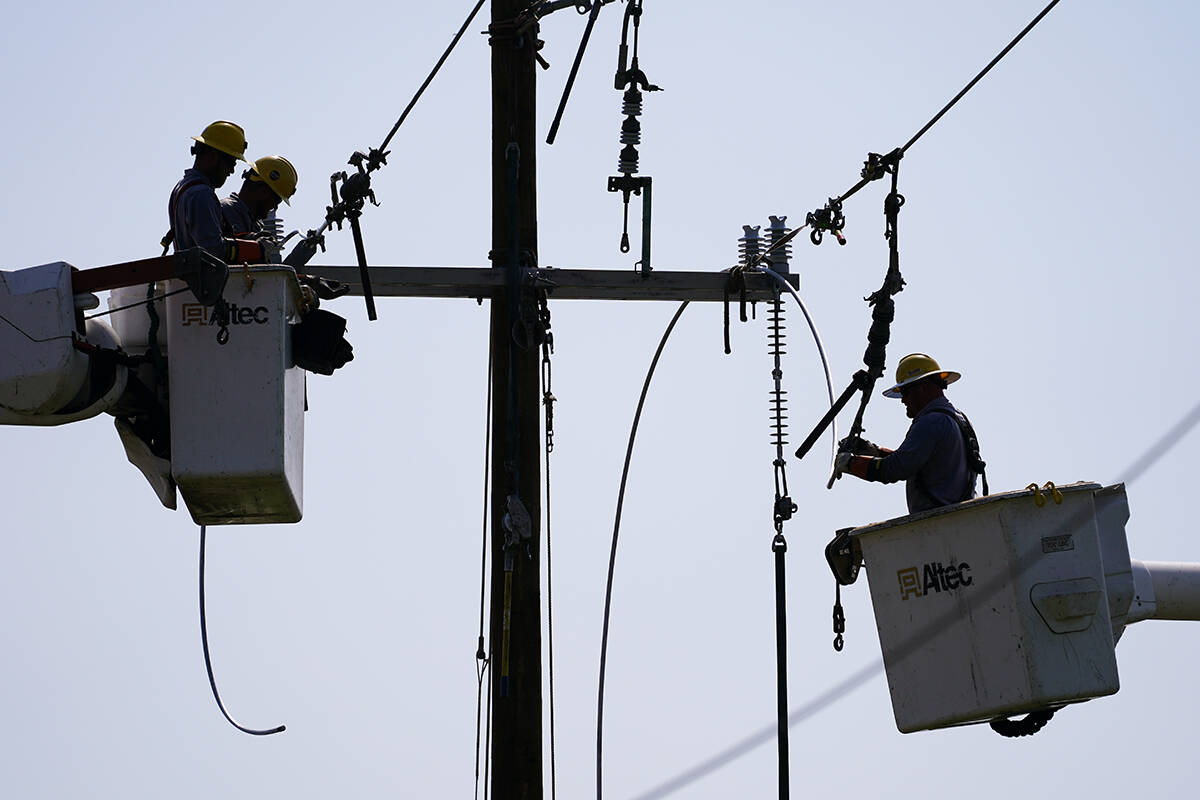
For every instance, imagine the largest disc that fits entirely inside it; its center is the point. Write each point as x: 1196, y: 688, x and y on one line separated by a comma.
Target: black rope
x: 404, y: 115
x: 212, y: 681
x: 612, y: 557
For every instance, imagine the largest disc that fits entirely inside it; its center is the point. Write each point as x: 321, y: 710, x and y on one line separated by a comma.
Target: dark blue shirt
x: 196, y: 215
x: 932, y: 460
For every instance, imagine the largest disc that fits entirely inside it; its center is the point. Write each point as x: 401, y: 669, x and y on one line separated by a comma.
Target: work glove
x: 860, y: 447
x: 303, y: 252
x: 841, y: 464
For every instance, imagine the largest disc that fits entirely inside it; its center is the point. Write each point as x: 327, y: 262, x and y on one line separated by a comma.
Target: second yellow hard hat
x: 278, y: 173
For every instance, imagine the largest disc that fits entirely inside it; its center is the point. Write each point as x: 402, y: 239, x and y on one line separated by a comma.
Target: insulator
x: 628, y: 163
x: 750, y: 245
x: 632, y: 105
x: 777, y: 346
x: 780, y: 257
x: 631, y: 131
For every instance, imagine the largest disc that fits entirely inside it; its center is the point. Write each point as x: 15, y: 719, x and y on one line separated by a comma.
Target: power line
x: 1139, y: 467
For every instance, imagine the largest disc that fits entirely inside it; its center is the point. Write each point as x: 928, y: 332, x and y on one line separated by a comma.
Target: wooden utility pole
x: 515, y: 641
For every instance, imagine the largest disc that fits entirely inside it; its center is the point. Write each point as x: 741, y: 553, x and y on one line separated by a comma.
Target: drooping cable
x: 612, y: 557
x: 212, y: 681
x: 482, y: 662
x: 548, y: 401
x: 831, y: 696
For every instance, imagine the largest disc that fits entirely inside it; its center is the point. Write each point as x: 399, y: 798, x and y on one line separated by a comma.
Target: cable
x: 548, y: 399
x: 404, y: 115
x: 612, y: 557
x: 979, y: 77
x: 832, y: 695
x: 212, y: 681
x: 481, y: 657
x: 138, y: 303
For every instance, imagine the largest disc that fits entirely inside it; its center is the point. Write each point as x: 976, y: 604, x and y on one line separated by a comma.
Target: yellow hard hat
x: 226, y: 137
x: 915, y: 366
x: 276, y: 172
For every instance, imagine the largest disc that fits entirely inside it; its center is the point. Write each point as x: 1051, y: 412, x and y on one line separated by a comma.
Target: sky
x: 1046, y: 241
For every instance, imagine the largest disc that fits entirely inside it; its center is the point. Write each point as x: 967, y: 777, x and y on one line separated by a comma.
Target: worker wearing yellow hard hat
x: 193, y: 209
x: 939, y: 458
x: 268, y: 181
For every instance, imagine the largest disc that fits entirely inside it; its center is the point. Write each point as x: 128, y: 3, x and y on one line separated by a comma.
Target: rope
x: 612, y: 557
x: 212, y: 681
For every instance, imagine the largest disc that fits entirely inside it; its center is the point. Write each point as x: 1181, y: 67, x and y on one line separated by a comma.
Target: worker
x: 939, y: 458
x: 269, y: 180
x: 193, y: 209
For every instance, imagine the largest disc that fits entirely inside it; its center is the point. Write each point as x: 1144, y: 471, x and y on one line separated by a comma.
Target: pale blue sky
x: 1047, y: 243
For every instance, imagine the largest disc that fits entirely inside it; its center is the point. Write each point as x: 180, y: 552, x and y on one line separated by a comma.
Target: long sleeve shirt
x: 932, y: 461
x: 196, y: 215
x: 236, y: 216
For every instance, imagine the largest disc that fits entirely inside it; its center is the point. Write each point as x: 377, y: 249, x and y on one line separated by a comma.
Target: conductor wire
x: 612, y: 557
x: 212, y: 681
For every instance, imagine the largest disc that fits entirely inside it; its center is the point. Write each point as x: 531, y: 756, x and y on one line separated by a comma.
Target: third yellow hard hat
x: 915, y: 366
x: 278, y: 173
x: 227, y: 137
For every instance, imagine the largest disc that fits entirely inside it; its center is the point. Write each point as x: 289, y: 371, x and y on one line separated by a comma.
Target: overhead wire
x: 404, y: 115
x: 621, y: 496
x: 923, y: 130
x: 1137, y: 468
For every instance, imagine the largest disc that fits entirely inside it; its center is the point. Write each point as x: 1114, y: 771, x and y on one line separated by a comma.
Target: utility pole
x: 515, y: 626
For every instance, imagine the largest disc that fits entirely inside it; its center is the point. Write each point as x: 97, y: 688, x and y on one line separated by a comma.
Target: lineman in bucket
x: 193, y: 210
x: 268, y: 181
x: 939, y: 458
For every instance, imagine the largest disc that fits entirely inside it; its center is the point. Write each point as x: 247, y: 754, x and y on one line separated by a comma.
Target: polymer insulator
x: 632, y: 102
x: 631, y: 131
x: 628, y: 163
x: 750, y: 245
x: 777, y: 347
x: 781, y: 256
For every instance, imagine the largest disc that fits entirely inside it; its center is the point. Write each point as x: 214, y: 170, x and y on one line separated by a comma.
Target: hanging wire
x: 550, y: 576
x: 482, y: 662
x: 1136, y: 469
x: 212, y: 681
x: 612, y: 557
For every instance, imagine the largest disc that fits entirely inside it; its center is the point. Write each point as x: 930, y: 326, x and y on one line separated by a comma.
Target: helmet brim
x: 947, y: 375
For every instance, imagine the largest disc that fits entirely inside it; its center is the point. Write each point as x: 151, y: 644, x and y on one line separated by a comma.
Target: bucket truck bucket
x: 1000, y: 605
x: 237, y: 410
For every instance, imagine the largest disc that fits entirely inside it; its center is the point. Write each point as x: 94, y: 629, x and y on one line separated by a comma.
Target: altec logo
x: 933, y: 577
x: 196, y: 314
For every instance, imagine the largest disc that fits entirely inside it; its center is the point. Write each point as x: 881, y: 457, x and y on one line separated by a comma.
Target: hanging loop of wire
x: 212, y: 681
